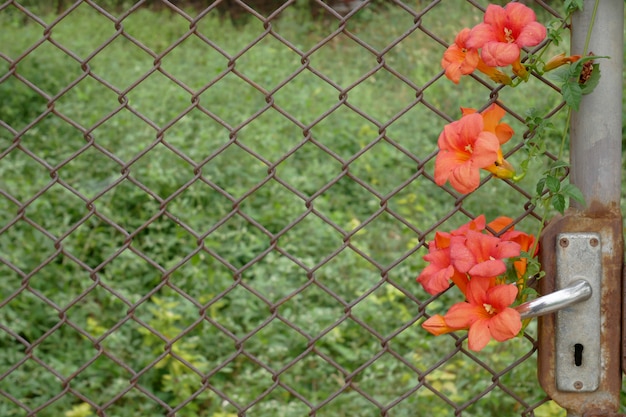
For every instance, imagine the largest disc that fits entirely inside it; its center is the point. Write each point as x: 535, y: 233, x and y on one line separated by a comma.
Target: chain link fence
x: 206, y: 216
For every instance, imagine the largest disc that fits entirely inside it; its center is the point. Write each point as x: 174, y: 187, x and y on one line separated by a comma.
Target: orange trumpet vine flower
x: 487, y: 313
x: 525, y: 241
x: 464, y: 148
x: 437, y: 325
x: 436, y: 277
x: 481, y: 255
x: 559, y: 60
x: 457, y: 59
x: 504, y: 31
x: 492, y: 115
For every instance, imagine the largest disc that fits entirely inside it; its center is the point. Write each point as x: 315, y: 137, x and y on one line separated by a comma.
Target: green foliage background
x: 75, y: 287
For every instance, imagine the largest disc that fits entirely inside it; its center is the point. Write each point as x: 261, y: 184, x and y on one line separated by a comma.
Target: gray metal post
x: 596, y: 129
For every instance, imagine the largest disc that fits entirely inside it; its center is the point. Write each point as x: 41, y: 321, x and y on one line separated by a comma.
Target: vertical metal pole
x: 596, y: 162
x: 596, y: 129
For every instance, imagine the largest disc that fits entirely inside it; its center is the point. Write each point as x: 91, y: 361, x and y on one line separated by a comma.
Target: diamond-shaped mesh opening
x: 173, y: 27
x: 71, y: 104
x: 351, y: 401
x: 336, y: 275
x: 57, y: 348
x: 271, y: 135
x: 94, y: 241
x: 402, y: 379
x: 380, y: 156
x: 25, y: 246
x: 135, y: 401
x: 240, y: 311
x: 312, y: 310
x: 384, y: 310
x: 269, y: 60
x: 221, y: 209
x: 306, y: 97
x: 112, y: 63
x: 275, y: 345
x: 250, y: 242
x: 211, y: 28
x: 313, y: 378
x: 41, y: 140
x: 128, y: 274
x: 206, y: 61
x: 242, y: 365
x: 156, y: 88
x: 63, y: 71
x: 86, y: 312
x: 239, y: 178
x: 312, y: 253
x: 349, y: 345
x: 218, y: 98
x: 70, y: 281
x: 127, y: 205
x: 100, y: 380
x: 205, y: 346
x: 287, y: 208
x: 28, y: 316
x: 56, y: 210
x: 124, y: 135
x: 276, y: 277
x: 21, y: 389
x: 310, y: 179
x: 83, y: 18
x: 385, y: 230
x: 335, y: 197
x: 18, y: 113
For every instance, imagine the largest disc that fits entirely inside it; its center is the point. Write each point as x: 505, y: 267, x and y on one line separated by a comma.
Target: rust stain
x: 608, y: 222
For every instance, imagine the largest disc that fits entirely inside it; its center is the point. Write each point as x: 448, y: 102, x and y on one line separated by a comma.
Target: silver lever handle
x: 579, y: 290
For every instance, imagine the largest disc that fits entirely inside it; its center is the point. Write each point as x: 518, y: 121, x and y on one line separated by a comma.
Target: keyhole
x: 578, y: 354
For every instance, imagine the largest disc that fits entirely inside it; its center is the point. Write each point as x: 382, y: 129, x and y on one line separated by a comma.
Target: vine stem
x: 593, y: 20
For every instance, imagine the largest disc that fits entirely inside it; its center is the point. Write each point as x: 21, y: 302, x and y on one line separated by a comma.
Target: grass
x: 137, y: 201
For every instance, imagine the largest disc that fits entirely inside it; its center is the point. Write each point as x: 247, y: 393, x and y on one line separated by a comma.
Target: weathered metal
x: 579, y: 290
x: 596, y: 169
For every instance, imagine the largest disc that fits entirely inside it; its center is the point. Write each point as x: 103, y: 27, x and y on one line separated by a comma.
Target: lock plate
x: 577, y: 336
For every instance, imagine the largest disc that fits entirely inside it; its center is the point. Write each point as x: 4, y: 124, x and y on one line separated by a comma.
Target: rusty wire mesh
x: 158, y: 256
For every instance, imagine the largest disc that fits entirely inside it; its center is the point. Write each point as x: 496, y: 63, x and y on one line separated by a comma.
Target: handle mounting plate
x: 577, y: 337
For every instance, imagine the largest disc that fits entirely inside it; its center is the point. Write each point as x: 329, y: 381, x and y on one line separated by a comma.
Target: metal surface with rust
x: 606, y: 399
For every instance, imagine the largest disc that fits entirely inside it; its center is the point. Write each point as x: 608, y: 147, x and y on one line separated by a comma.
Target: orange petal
x: 478, y: 335
x: 437, y: 325
x: 505, y: 325
x: 500, y: 223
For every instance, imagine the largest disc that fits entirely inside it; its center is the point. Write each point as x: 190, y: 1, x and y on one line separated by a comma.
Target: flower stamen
x: 489, y: 309
x: 508, y: 35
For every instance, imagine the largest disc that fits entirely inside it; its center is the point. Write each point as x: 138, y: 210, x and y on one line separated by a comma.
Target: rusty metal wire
x: 129, y: 241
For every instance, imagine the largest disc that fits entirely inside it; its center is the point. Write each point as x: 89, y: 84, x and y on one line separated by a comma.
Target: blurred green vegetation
x: 107, y: 173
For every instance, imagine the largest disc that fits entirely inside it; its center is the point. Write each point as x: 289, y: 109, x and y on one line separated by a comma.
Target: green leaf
x: 558, y: 202
x: 553, y: 184
x: 573, y: 5
x: 540, y: 185
x: 560, y: 75
x: 571, y: 191
x: 572, y: 94
x: 558, y: 164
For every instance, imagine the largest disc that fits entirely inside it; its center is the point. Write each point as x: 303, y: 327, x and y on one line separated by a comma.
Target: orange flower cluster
x: 496, y: 42
x: 474, y: 260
